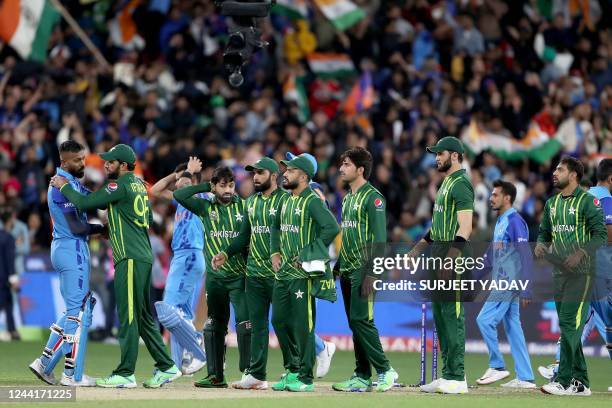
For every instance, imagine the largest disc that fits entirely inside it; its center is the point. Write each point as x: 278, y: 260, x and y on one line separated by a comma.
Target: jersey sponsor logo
x: 111, y: 187
x: 378, y: 203
x: 68, y: 205
x: 290, y: 228
x: 224, y: 234
x: 261, y: 229
x: 214, y: 216
x: 596, y: 202
x: 349, y: 224
x: 563, y: 228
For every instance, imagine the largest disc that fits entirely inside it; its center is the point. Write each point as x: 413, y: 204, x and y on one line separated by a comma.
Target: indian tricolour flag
x: 294, y: 91
x: 536, y: 145
x: 342, y: 13
x: 26, y: 26
x: 331, y: 65
x: 295, y: 9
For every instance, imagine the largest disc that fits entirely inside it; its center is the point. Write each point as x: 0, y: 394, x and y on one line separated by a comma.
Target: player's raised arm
x: 162, y: 187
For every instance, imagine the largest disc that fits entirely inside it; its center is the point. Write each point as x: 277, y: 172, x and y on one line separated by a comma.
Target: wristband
x: 427, y: 237
x: 459, y: 242
x: 186, y: 174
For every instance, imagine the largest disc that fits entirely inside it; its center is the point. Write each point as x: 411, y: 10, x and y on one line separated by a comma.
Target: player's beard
x: 560, y: 184
x: 443, y: 168
x: 264, y: 186
x: 290, y: 185
x: 114, y: 175
x: 225, y: 198
x: 79, y: 173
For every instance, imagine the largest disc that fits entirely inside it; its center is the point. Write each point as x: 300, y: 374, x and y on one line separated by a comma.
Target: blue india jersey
x: 60, y: 207
x: 188, y: 229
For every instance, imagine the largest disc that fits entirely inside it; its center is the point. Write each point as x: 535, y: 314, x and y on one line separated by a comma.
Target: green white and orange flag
x: 295, y: 9
x: 294, y: 91
x: 342, y: 13
x: 331, y: 65
x: 26, y: 26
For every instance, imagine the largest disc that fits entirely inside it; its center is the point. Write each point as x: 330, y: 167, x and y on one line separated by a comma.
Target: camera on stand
x: 245, y: 38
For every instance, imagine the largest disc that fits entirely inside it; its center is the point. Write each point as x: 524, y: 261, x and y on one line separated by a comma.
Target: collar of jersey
x: 263, y: 197
x: 64, y: 173
x: 304, y: 193
x: 456, y: 173
x: 575, y: 193
x: 509, y: 212
x: 359, y: 189
x: 605, y: 192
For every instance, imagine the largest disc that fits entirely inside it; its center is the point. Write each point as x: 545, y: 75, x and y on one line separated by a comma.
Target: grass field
x: 101, y: 359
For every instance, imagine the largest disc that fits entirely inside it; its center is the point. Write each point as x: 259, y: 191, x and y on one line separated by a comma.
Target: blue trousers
x: 70, y: 258
x: 508, y: 312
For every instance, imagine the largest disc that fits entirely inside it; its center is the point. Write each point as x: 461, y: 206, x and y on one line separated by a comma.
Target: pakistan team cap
x: 265, y: 163
x: 121, y: 152
x: 301, y: 162
x: 450, y: 143
x: 291, y: 156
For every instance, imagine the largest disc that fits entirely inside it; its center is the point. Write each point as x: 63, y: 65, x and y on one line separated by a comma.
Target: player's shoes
x: 69, y: 381
x: 432, y: 386
x: 38, y: 369
x: 194, y: 366
x: 609, y: 389
x: 386, y: 380
x: 163, y: 377
x: 492, y: 375
x: 324, y: 359
x: 452, y: 387
x: 555, y: 388
x: 516, y: 383
x: 285, y: 380
x: 298, y: 386
x: 549, y: 371
x: 354, y: 384
x: 248, y: 382
x: 211, y: 381
x: 117, y: 381
x: 579, y: 389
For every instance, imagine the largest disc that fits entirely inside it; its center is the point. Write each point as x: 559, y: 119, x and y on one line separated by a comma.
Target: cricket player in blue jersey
x: 70, y: 257
x: 324, y: 350
x: 600, y: 314
x: 510, y: 258
x: 187, y: 267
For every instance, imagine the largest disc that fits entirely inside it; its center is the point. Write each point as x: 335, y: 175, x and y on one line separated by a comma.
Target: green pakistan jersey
x: 221, y: 225
x: 571, y: 223
x: 129, y: 215
x: 364, y: 223
x: 455, y: 195
x: 303, y: 222
x: 260, y: 215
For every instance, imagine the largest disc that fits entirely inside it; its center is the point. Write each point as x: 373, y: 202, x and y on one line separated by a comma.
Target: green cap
x: 302, y: 163
x: 265, y: 163
x: 121, y: 152
x: 450, y: 143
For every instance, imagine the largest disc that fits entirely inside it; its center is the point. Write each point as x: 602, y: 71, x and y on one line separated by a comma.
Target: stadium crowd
x: 436, y: 66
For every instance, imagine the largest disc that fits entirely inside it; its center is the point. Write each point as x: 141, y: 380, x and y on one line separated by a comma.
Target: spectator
x: 8, y: 277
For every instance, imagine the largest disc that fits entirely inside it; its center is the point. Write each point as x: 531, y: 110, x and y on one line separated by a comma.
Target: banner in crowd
x: 331, y: 65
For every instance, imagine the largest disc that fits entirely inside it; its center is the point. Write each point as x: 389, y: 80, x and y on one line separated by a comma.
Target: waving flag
x: 342, y: 13
x: 361, y: 97
x: 26, y: 26
x: 293, y: 91
x: 295, y: 9
x: 330, y: 65
x: 123, y: 31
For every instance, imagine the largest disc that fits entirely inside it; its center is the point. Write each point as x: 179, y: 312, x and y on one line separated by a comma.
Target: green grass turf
x: 101, y: 359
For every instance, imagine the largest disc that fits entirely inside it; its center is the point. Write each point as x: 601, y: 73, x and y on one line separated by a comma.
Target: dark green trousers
x: 259, y: 293
x: 220, y: 292
x: 293, y: 319
x: 360, y: 314
x: 132, y: 292
x: 571, y: 301
x: 449, y: 318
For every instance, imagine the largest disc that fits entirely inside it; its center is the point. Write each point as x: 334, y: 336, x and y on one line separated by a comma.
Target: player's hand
x: 367, y: 286
x: 58, y: 181
x: 574, y: 259
x: 540, y: 250
x: 194, y: 165
x: 276, y: 262
x: 218, y: 260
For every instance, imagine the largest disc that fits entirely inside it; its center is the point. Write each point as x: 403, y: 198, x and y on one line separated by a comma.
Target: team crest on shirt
x: 111, y: 187
x: 378, y: 203
x: 251, y: 211
x: 596, y: 202
x: 214, y: 216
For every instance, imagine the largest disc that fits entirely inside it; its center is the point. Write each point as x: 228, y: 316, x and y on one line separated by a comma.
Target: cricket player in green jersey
x: 129, y: 216
x: 222, y: 218
x: 451, y: 226
x: 261, y: 209
x: 572, y: 228
x: 364, y: 225
x: 303, y: 226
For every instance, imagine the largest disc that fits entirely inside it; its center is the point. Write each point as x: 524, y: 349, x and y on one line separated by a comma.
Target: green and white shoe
x: 386, y: 380
x: 211, y: 381
x: 298, y: 386
x: 163, y: 377
x: 354, y: 384
x: 285, y: 380
x: 117, y: 381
